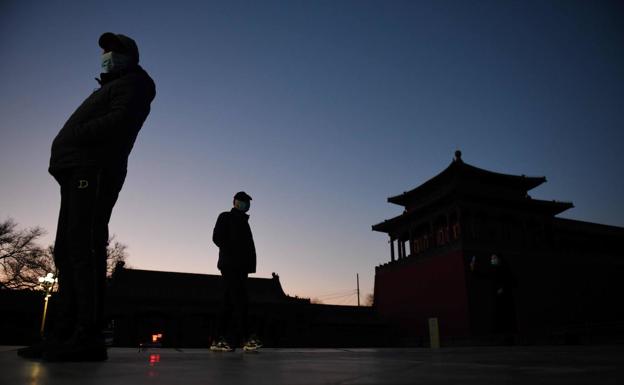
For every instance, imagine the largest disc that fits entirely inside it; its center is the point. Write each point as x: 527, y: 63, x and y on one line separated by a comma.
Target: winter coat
x: 502, y: 283
x: 232, y: 235
x: 102, y: 131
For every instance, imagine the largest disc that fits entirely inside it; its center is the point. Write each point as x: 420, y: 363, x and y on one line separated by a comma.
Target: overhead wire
x: 334, y: 297
x: 336, y: 293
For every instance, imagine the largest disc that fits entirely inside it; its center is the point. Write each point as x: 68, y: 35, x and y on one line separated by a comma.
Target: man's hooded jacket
x: 102, y: 131
x: 232, y: 235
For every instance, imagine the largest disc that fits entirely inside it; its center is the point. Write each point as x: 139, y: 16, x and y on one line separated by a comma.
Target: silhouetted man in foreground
x: 89, y: 161
x: 237, y: 259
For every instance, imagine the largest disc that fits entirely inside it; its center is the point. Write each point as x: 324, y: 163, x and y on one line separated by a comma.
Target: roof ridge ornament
x: 458, y: 155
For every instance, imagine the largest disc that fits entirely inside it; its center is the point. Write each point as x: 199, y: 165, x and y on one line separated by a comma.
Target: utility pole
x: 357, y: 277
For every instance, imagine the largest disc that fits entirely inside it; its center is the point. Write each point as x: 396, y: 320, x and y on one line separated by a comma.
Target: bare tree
x: 115, y: 253
x: 22, y: 260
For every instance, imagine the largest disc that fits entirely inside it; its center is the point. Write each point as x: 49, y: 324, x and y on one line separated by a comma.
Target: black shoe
x: 35, y: 350
x: 80, y: 347
x: 76, y: 353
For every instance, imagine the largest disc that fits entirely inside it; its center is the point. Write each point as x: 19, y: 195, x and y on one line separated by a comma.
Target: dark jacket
x: 102, y: 131
x: 502, y: 283
x: 236, y: 246
x: 502, y: 280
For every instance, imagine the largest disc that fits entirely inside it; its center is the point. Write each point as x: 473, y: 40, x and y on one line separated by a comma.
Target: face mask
x: 241, y: 205
x: 114, y: 62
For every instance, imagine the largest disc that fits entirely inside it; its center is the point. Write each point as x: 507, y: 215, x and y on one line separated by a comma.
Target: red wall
x: 409, y: 293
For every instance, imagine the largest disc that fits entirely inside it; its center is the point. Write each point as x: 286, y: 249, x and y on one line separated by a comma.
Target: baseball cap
x: 242, y: 196
x: 119, y: 43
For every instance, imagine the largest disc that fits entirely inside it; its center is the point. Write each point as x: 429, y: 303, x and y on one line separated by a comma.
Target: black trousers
x: 504, y: 314
x: 233, y: 323
x: 87, y: 199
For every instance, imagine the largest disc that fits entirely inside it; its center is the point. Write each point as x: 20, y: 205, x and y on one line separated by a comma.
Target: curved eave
x: 461, y: 169
x: 389, y: 224
x: 548, y: 207
x: 551, y: 207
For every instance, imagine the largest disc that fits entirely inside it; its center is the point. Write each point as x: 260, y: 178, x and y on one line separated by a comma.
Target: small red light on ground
x: 154, y: 358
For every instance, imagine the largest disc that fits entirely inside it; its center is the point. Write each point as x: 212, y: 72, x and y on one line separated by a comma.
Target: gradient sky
x: 320, y: 110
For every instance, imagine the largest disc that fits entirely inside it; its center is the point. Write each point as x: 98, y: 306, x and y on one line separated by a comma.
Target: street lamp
x: 46, y: 283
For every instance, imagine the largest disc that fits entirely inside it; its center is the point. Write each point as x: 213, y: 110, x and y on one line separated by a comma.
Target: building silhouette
x: 184, y: 308
x: 567, y: 273
x: 172, y: 309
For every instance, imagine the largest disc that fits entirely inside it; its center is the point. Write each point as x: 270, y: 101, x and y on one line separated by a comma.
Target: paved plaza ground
x: 478, y: 365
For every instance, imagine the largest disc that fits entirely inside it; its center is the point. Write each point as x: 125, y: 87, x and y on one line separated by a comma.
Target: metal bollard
x: 434, y: 334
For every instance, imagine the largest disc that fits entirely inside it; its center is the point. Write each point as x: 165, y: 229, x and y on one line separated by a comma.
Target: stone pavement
x: 476, y: 365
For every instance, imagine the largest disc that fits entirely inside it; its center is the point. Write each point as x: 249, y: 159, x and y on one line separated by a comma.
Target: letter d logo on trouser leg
x: 83, y: 183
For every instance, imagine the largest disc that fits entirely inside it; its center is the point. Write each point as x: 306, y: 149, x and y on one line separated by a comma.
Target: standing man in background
x: 502, y: 283
x: 89, y: 161
x: 237, y: 259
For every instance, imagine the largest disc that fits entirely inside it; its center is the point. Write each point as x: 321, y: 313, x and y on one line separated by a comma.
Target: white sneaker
x: 221, y: 346
x: 252, y: 345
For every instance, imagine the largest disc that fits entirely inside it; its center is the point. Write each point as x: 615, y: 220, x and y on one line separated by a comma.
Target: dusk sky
x: 320, y: 110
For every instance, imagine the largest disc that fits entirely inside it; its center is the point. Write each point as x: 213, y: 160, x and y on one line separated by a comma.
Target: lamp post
x: 46, y: 283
